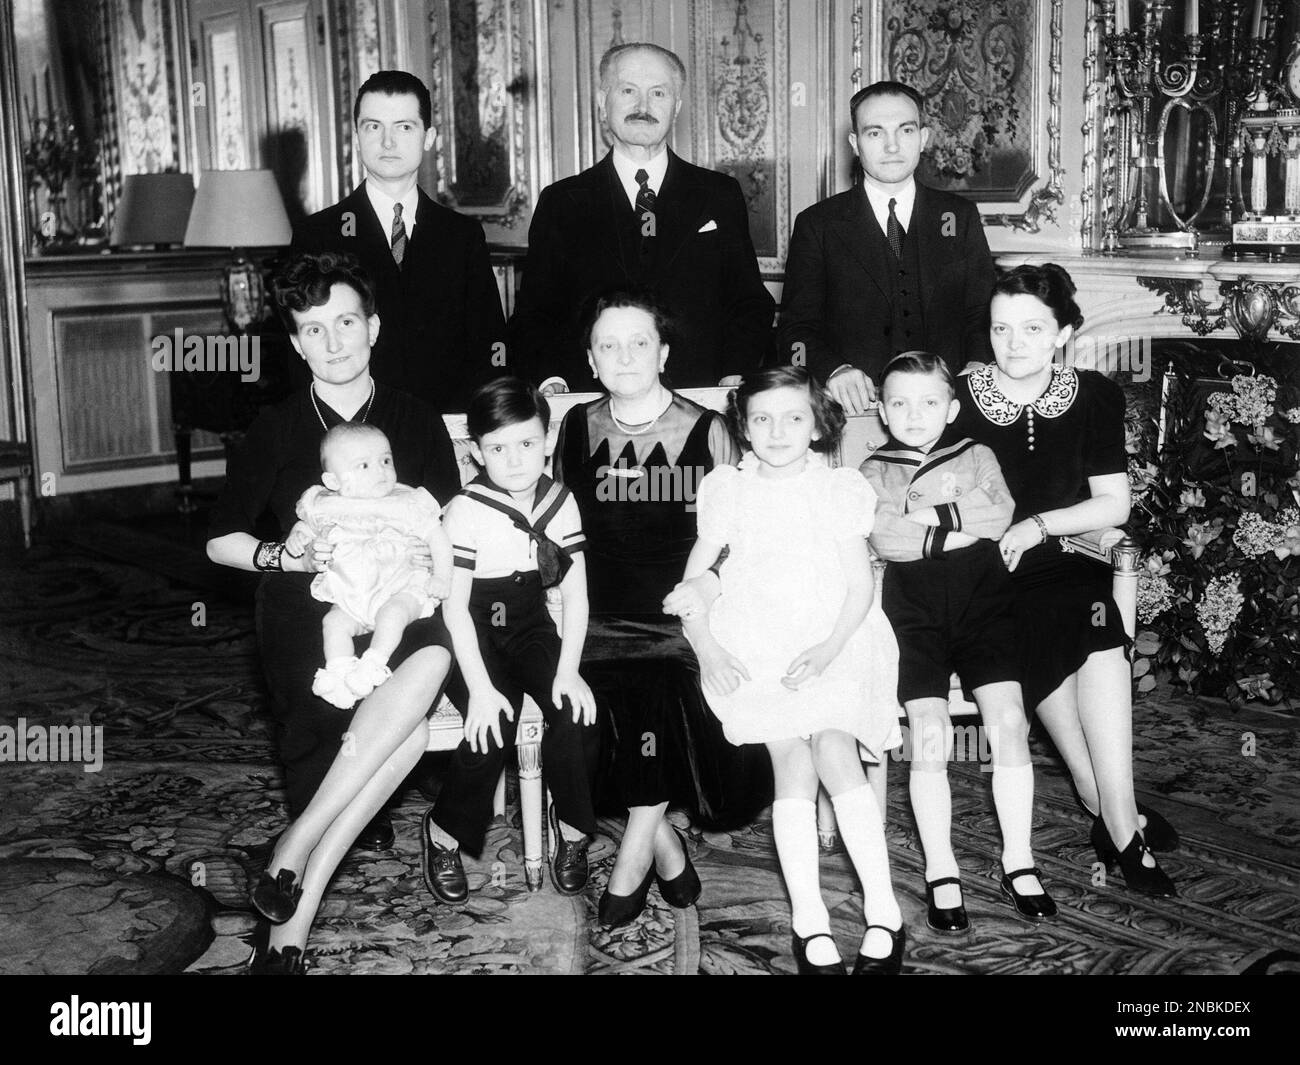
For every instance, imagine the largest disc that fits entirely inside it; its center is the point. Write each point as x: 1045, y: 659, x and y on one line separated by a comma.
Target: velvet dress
x: 1047, y: 450
x: 636, y: 487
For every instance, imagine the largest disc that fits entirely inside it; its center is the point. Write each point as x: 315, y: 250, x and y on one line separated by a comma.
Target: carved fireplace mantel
x: 1134, y: 296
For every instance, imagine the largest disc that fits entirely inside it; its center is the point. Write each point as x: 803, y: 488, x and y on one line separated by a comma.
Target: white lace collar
x: 1000, y: 410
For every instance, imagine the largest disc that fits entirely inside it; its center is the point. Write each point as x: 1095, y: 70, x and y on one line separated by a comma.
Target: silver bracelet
x: 1042, y: 527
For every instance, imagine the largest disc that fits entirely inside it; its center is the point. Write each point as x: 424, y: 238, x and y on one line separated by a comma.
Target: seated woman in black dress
x: 333, y: 789
x: 1058, y: 434
x: 633, y: 461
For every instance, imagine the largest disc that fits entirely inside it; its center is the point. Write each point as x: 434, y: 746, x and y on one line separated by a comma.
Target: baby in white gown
x: 373, y: 524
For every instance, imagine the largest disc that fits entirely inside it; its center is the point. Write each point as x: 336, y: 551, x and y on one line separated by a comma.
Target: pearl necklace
x: 364, y: 414
x: 645, y: 428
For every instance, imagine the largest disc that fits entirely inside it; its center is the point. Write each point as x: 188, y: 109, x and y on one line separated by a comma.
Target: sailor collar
x: 994, y: 404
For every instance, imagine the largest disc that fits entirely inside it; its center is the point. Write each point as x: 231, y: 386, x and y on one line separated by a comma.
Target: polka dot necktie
x: 398, y: 241
x: 894, y: 231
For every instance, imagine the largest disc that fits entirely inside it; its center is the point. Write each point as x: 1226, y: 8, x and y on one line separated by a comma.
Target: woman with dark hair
x: 333, y: 790
x: 633, y: 460
x: 1058, y: 434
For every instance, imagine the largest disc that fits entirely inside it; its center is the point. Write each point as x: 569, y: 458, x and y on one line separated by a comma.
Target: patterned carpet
x: 144, y: 865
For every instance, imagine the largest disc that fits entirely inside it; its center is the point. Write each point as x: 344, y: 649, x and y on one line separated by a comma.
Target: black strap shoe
x: 892, y: 965
x: 1034, y: 907
x: 1146, y: 880
x: 443, y: 873
x: 951, y: 922
x: 569, y: 869
x: 799, y: 947
x: 378, y: 834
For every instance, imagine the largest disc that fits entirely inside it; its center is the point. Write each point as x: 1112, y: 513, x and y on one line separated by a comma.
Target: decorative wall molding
x: 741, y: 109
x: 991, y: 76
x: 483, y: 83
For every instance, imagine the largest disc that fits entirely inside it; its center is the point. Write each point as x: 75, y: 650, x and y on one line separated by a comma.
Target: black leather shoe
x: 683, y: 889
x: 888, y: 966
x: 569, y: 867
x: 1034, y: 907
x: 377, y: 835
x: 1137, y: 877
x: 276, y: 897
x: 271, y: 961
x: 1159, y: 834
x: 799, y: 948
x: 616, y: 910
x: 951, y: 922
x: 443, y: 873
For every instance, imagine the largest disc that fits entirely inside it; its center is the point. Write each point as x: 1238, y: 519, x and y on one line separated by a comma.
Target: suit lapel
x: 861, y: 235
x: 371, y: 234
x: 608, y: 203
x: 679, y: 209
x: 927, y: 229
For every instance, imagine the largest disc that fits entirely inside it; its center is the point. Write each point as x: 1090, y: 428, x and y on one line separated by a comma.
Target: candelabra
x: 1188, y: 71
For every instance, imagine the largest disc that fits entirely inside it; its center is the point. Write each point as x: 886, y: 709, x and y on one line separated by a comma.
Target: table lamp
x: 154, y: 209
x: 239, y: 209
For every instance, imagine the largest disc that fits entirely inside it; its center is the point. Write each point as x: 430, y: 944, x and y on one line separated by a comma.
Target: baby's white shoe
x: 331, y: 683
x: 367, y: 675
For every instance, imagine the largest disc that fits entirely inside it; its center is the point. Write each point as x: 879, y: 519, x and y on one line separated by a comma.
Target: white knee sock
x: 1013, y: 797
x: 932, y: 806
x: 858, y: 816
x: 794, y: 826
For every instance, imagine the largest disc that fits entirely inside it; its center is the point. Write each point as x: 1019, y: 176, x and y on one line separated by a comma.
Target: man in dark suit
x: 443, y: 333
x: 642, y: 217
x: 888, y: 266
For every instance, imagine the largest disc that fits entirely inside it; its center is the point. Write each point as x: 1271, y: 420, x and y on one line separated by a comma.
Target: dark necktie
x: 398, y: 241
x: 645, y: 198
x: 894, y: 231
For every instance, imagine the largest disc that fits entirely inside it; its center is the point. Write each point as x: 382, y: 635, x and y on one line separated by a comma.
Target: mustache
x: 642, y: 116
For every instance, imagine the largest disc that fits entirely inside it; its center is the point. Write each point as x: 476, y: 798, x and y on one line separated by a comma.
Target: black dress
x: 1047, y: 450
x: 636, y: 491
x: 278, y: 460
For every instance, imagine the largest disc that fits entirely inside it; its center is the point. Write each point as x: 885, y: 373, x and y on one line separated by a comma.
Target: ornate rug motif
x: 145, y: 866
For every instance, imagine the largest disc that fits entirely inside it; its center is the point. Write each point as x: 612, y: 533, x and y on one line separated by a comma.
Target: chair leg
x: 531, y: 809
x: 828, y: 832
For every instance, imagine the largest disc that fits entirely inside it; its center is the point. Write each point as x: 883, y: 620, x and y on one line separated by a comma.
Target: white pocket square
x: 708, y: 227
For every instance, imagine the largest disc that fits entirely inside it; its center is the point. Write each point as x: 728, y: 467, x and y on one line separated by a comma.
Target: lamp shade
x: 237, y: 209
x: 154, y: 209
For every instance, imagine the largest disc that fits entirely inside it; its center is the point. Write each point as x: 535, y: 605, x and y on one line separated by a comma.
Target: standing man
x: 442, y: 332
x: 888, y: 266
x: 642, y: 217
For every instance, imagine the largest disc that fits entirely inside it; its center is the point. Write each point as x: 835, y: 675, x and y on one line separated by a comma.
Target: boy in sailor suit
x: 943, y: 504
x: 514, y: 533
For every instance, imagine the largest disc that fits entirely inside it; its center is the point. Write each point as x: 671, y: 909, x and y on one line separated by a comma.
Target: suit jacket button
x: 913, y: 495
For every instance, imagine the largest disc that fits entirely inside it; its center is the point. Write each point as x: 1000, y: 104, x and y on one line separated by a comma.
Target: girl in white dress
x: 794, y: 654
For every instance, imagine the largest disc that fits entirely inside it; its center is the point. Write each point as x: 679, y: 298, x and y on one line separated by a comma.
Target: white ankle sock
x: 794, y: 827
x: 858, y: 816
x: 932, y: 806
x: 1013, y: 797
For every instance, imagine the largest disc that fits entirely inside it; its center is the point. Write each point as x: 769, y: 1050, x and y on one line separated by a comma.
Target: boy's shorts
x: 952, y: 614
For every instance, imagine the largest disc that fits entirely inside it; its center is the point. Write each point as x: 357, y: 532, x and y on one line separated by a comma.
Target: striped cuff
x: 949, y: 516
x: 933, y: 545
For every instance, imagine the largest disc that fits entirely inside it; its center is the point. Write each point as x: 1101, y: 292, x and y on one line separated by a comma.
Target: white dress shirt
x: 904, y: 200
x: 383, y: 205
x: 626, y: 169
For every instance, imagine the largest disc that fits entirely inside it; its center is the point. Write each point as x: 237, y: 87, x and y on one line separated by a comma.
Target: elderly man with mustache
x: 642, y: 217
